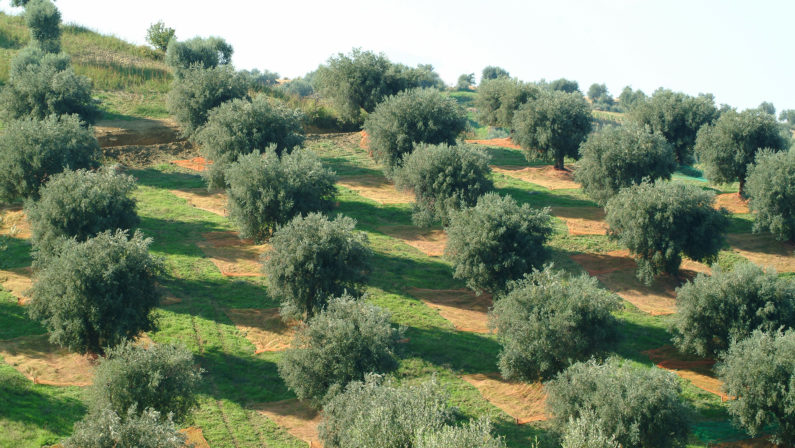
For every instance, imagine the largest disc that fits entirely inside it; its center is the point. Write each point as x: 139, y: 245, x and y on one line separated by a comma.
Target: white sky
x: 739, y: 50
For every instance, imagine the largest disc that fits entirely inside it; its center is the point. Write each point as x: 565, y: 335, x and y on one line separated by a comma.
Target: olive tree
x: 239, y: 127
x: 713, y: 311
x: 727, y: 148
x: 496, y: 241
x: 444, y: 178
x: 313, y: 259
x: 43, y: 20
x: 345, y: 341
x: 265, y: 191
x: 409, y: 117
x: 493, y: 72
x: 498, y: 99
x: 198, y: 52
x: 159, y: 35
x: 629, y: 98
x: 788, y: 117
x: 107, y: 429
x: 660, y: 221
x: 564, y: 85
x: 636, y: 406
x: 31, y: 151
x: 617, y: 157
x: 600, y: 97
x: 553, y: 125
x: 768, y: 108
x: 465, y: 81
x: 475, y: 434
x: 548, y: 320
x: 771, y: 193
x: 587, y: 431
x: 97, y: 293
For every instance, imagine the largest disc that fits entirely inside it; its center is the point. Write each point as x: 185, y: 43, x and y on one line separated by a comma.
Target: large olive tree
x: 498, y: 99
x: 771, y: 193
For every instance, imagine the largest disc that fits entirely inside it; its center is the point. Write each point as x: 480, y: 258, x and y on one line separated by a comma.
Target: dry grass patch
x: 204, y: 200
x: 142, y: 131
x: 597, y: 264
x: 764, y: 250
x: 364, y: 143
x: 17, y: 282
x: 231, y: 255
x: 524, y: 402
x: 296, y: 417
x: 582, y: 220
x: 45, y: 363
x: 195, y: 164
x: 376, y: 188
x: 14, y: 223
x: 429, y: 242
x: 732, y: 202
x: 194, y: 437
x: 750, y: 443
x: 546, y: 176
x: 263, y: 327
x: 697, y: 371
x: 465, y: 310
x: 496, y: 143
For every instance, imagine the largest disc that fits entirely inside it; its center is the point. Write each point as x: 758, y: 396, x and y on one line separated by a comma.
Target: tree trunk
x: 742, y: 188
x: 559, y: 163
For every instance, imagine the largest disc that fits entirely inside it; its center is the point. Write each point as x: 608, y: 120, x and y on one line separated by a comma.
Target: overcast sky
x: 739, y: 50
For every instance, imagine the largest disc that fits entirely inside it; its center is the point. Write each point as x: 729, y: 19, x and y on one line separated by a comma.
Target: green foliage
x: 547, y: 321
x: 265, y: 191
x: 553, y: 125
x: 210, y: 52
x: 238, y: 127
x: 496, y: 241
x: 44, y: 20
x: 587, y: 431
x: 41, y: 84
x: 564, y: 85
x: 475, y: 434
x: 32, y: 150
x: 713, y: 311
x: 465, y: 81
x: 371, y: 414
x: 498, y: 100
x: 492, y: 72
x: 159, y: 377
x: 409, y: 117
x: 444, y: 178
x: 600, y: 97
x: 618, y: 157
x: 198, y: 90
x: 159, y: 35
x: 660, y: 221
x: 638, y: 407
x: 79, y: 204
x: 768, y: 108
x: 788, y: 116
x: 97, y: 293
x: 760, y: 372
x: 299, y: 87
x: 313, y: 259
x: 771, y: 191
x: 259, y: 80
x: 424, y: 76
x: 106, y: 429
x: 630, y: 98
x: 347, y: 340
x: 678, y: 117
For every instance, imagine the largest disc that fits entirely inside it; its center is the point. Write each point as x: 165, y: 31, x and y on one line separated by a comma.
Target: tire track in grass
x: 218, y: 403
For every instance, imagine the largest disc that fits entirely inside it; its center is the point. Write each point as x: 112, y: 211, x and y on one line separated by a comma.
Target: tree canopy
x: 771, y: 193
x: 44, y: 22
x: 498, y: 99
x: 198, y: 52
x: 492, y: 72
x: 159, y: 35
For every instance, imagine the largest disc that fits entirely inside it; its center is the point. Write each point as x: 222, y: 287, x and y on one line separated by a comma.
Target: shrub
x: 768, y: 108
x: 265, y: 191
x: 788, y: 117
x: 465, y: 81
x: 198, y: 90
x: 553, y: 125
x: 600, y: 97
x: 547, y: 321
x: 771, y: 190
x: 498, y: 100
x: 370, y: 414
x: 342, y: 343
x: 564, y: 85
x: 496, y: 241
x: 32, y: 150
x: 44, y: 20
x: 728, y: 147
x: 259, y: 81
x: 630, y: 98
x: 414, y: 116
x: 443, y: 179
x: 97, y: 293
x: 492, y: 72
x: 106, y: 429
x: 587, y: 431
x: 198, y: 52
x: 298, y: 87
x: 159, y: 35
x: 658, y: 222
x: 638, y: 406
x: 760, y: 372
x: 618, y: 157
x: 80, y: 204
x: 713, y: 311
x: 159, y: 377
x: 240, y: 127
x: 475, y: 434
x: 313, y: 259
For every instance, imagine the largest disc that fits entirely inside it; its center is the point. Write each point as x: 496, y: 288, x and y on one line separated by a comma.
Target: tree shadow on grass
x: 177, y: 237
x: 152, y: 177
x: 17, y: 254
x: 225, y: 292
x: 540, y: 198
x: 14, y: 320
x: 459, y: 351
x: 639, y: 334
x: 244, y: 380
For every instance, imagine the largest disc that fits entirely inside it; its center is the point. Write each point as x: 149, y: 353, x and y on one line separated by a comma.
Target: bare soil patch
x: 231, y: 255
x: 45, y: 363
x: 198, y: 164
x: 764, y: 250
x: 496, y: 142
x: 263, y: 327
x: 546, y: 176
x: 582, y: 220
x: 364, y: 143
x: 376, y: 188
x: 195, y: 437
x: 760, y: 442
x: 697, y: 371
x: 14, y: 223
x: 465, y: 310
x: 143, y: 131
x: 732, y: 202
x: 213, y: 202
x: 597, y: 264
x: 296, y: 417
x: 146, y: 155
x: 17, y: 282
x: 429, y: 242
x: 524, y: 402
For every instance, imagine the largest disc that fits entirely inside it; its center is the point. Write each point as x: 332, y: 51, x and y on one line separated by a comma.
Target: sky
x: 737, y: 50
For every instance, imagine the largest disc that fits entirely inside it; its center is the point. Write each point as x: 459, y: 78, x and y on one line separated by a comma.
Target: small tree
x: 107, y: 429
x: 630, y: 98
x: 475, y: 434
x: 160, y: 377
x: 496, y: 241
x: 313, y: 259
x: 199, y: 90
x: 658, y: 222
x: 343, y: 343
x: 240, y: 127
x: 788, y: 116
x: 587, y: 431
x: 413, y: 116
x: 31, y: 151
x: 713, y: 311
x: 768, y: 108
x: 771, y: 190
x: 618, y: 157
x: 731, y: 144
x: 207, y: 53
x: 443, y: 179
x: 600, y: 97
x: 465, y: 81
x: 553, y: 125
x: 265, y: 191
x: 547, y: 321
x: 637, y: 406
x: 299, y: 87
x: 159, y: 35
x: 498, y: 99
x: 492, y: 72
x: 97, y: 293
x: 44, y: 20
x: 564, y: 85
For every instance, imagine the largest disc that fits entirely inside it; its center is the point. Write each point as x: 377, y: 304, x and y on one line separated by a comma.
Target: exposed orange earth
x: 496, y: 142
x: 697, y: 371
x: 202, y: 199
x: 546, y: 176
x: 429, y: 242
x: 524, y: 402
x: 195, y: 164
x: 231, y: 255
x: 296, y: 417
x: 263, y: 327
x: 465, y: 310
